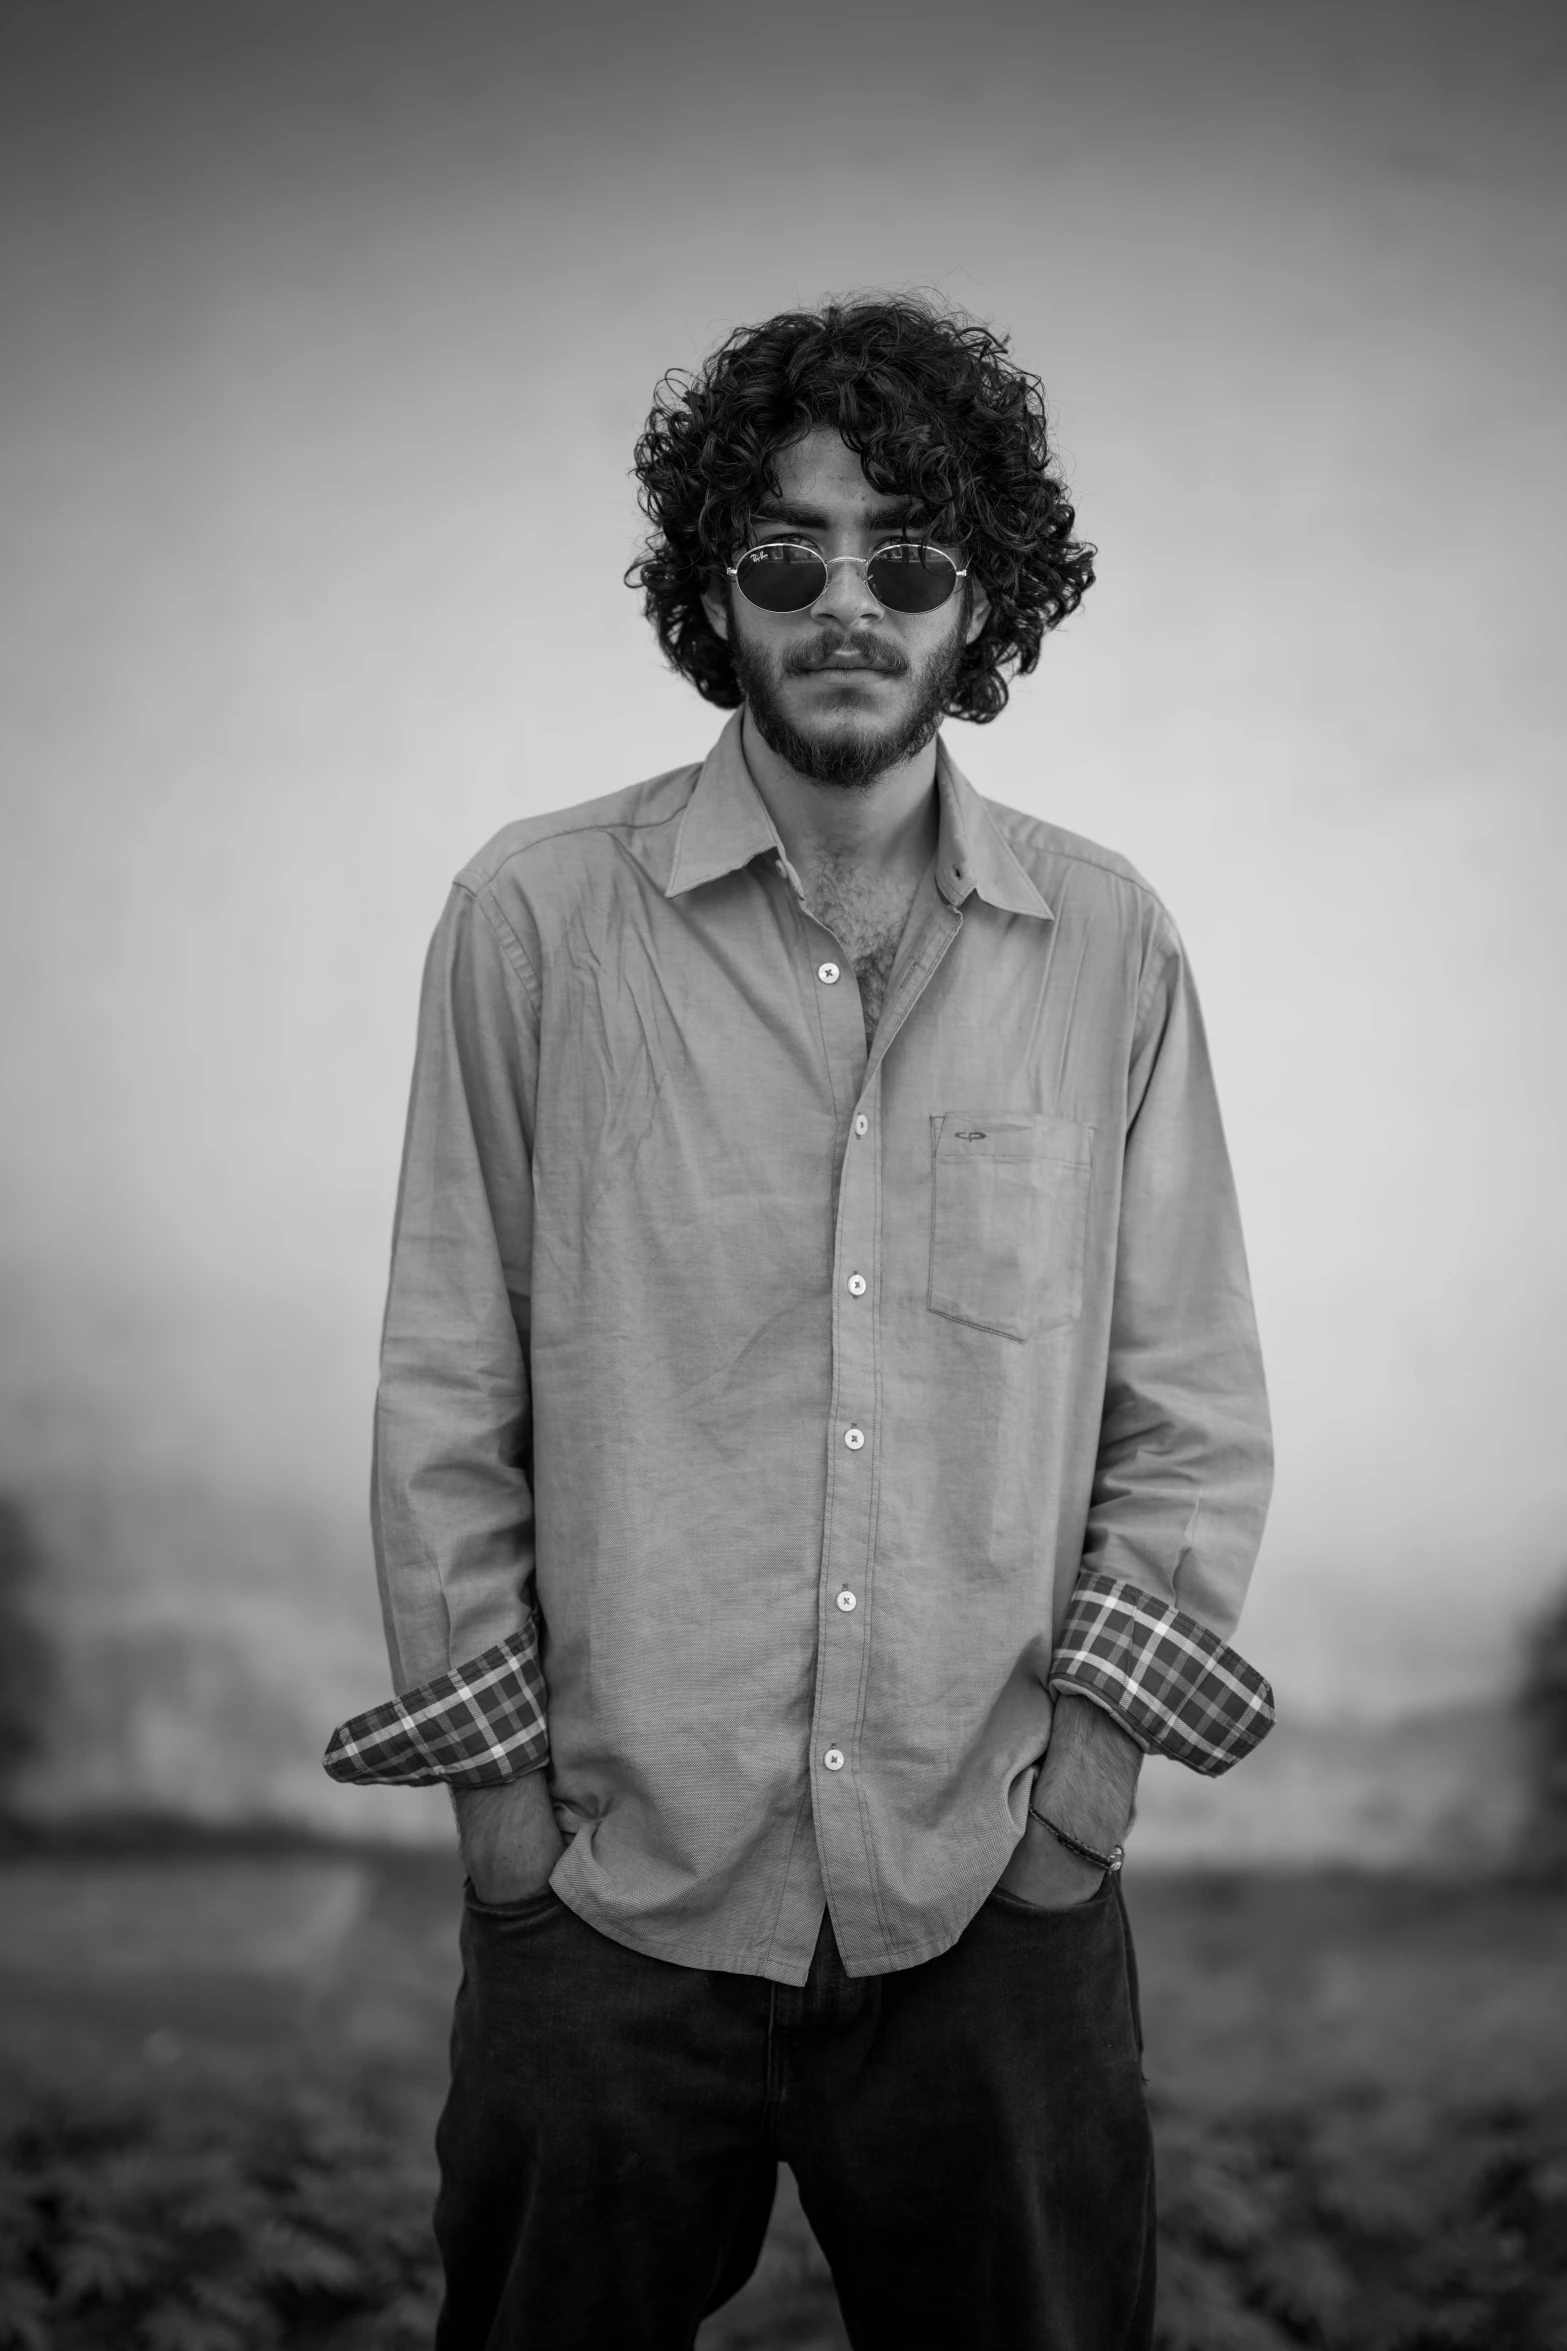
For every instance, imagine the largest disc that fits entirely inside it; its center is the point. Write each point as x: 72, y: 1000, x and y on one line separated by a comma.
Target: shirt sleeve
x: 451, y: 1497
x: 1185, y: 1461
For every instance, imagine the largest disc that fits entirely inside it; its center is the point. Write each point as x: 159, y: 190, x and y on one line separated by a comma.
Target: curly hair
x: 935, y: 411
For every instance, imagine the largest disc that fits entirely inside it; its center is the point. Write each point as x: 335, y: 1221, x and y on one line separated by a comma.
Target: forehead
x: 822, y: 471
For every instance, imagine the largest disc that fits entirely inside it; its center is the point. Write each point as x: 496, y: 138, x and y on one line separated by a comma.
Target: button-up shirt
x: 768, y: 1422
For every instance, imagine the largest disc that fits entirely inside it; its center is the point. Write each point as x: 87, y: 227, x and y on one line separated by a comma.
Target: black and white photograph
x: 783, y: 1498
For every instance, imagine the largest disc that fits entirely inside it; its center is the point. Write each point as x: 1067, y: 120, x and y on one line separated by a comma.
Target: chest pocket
x: 1009, y: 1221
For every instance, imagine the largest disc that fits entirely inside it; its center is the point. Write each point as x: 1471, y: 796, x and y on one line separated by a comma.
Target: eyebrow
x: 811, y: 518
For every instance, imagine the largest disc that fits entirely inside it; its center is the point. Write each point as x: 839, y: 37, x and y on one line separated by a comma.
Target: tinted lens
x: 911, y: 578
x: 780, y: 578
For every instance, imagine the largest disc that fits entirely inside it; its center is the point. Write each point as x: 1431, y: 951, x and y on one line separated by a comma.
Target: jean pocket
x: 1009, y: 1220
x: 1101, y: 1899
x: 526, y: 1906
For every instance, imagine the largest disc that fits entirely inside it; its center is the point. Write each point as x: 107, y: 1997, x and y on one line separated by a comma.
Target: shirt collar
x: 726, y: 824
x: 972, y: 854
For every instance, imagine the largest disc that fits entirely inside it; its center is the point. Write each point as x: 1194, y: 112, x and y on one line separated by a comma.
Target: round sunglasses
x: 786, y: 575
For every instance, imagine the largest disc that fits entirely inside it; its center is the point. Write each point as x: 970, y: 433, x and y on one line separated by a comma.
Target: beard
x: 847, y: 751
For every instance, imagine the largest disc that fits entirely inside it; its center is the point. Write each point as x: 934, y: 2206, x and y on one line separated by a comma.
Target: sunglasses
x: 786, y: 575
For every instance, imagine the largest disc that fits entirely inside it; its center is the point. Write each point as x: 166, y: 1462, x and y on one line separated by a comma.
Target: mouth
x: 853, y: 665
x: 850, y: 657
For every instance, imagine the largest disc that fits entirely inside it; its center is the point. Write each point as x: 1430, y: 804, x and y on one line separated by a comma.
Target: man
x: 821, y: 1443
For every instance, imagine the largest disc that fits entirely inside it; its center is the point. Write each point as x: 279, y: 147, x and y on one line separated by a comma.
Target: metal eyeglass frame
x: 829, y: 564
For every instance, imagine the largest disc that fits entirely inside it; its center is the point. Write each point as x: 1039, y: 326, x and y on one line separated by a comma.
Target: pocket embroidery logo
x: 1009, y: 1220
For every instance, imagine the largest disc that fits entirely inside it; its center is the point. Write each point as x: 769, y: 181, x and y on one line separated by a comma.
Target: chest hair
x: 865, y: 909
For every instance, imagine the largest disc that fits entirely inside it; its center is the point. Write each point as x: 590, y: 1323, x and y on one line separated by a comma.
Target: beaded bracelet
x: 1110, y: 1862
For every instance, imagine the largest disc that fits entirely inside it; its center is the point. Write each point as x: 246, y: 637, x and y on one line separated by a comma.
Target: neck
x: 888, y: 823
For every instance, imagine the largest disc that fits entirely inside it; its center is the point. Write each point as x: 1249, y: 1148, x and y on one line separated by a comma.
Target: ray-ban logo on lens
x: 970, y: 1134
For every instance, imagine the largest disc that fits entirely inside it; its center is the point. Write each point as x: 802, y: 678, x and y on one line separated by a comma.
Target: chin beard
x: 848, y: 753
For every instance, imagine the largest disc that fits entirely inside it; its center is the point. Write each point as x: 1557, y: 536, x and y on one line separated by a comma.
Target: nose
x: 848, y: 596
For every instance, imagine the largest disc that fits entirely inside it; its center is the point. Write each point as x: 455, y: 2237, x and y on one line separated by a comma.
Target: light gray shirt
x: 787, y: 1388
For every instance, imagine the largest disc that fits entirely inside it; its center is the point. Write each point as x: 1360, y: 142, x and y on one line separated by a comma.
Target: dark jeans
x: 970, y: 2137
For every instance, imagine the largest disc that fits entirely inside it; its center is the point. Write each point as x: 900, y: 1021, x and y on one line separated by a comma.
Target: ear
x: 978, y: 612
x: 715, y: 603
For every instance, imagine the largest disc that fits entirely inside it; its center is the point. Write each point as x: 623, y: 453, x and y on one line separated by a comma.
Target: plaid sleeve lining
x: 475, y: 1727
x: 1169, y: 1681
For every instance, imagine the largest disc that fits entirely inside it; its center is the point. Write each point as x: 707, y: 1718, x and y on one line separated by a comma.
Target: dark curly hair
x: 934, y: 410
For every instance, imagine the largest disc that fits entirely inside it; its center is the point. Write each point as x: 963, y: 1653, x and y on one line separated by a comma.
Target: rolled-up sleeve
x: 451, y: 1501
x: 1184, y: 1466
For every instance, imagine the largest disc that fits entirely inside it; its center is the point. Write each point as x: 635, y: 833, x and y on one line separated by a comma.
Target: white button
x: 827, y: 973
x: 856, y: 1285
x: 862, y: 1125
x: 854, y: 1439
x: 846, y: 1601
x: 834, y: 1759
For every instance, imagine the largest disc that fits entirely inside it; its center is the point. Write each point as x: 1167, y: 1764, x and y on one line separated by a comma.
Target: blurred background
x: 328, y: 328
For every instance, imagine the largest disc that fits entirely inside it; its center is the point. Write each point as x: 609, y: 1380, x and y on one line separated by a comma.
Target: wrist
x: 509, y: 1836
x: 1043, y: 1873
x: 1106, y: 1859
x: 527, y: 1797
x: 1087, y: 1781
x: 1094, y: 1821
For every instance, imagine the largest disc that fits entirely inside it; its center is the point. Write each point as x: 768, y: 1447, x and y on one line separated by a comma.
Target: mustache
x: 817, y: 654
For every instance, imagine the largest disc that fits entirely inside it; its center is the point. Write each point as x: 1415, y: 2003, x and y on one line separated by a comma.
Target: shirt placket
x: 847, y: 1602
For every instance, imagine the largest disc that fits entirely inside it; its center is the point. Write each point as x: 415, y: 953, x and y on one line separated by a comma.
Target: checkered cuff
x: 475, y: 1727
x: 1168, y: 1681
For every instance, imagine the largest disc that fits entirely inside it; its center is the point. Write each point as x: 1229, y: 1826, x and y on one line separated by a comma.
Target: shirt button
x: 846, y: 1601
x: 854, y: 1439
x: 834, y: 1759
x: 862, y: 1125
x: 827, y: 973
x: 856, y: 1285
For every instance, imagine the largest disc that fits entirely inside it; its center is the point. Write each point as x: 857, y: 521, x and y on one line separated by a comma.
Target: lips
x: 849, y: 662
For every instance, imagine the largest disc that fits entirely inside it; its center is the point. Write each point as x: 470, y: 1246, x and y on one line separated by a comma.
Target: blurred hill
x: 1435, y: 1791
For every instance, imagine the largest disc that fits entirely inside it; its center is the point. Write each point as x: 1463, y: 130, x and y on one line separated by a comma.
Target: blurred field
x: 220, y: 2071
